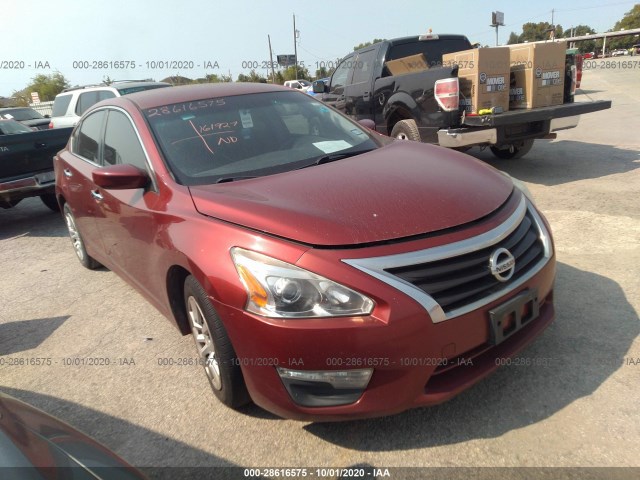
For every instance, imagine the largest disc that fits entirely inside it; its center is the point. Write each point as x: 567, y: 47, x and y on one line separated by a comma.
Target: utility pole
x: 295, y: 44
x: 553, y: 25
x: 273, y: 73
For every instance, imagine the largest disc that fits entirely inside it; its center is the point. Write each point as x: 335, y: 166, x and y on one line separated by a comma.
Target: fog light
x: 325, y: 388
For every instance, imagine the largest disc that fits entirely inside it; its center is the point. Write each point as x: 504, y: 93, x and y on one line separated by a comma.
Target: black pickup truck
x: 409, y: 107
x: 26, y: 163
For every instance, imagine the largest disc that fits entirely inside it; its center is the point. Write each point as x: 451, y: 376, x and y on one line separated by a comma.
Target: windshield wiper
x: 335, y: 156
x: 233, y: 179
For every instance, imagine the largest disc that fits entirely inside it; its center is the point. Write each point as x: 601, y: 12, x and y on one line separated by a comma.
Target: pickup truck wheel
x: 511, y: 154
x: 214, y: 346
x: 49, y: 199
x: 406, y: 130
x: 76, y: 240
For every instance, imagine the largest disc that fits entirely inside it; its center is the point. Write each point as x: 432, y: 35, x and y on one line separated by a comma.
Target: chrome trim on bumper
x: 564, y: 123
x: 376, y: 266
x: 452, y: 138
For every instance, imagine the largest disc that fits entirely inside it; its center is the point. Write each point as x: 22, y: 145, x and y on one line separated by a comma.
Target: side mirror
x: 47, y: 116
x: 319, y: 86
x: 368, y: 123
x: 120, y: 177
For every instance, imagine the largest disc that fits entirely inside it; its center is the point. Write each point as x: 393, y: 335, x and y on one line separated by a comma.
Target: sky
x: 87, y: 40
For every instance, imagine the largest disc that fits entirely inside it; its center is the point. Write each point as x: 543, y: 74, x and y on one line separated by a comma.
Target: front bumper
x: 415, y: 360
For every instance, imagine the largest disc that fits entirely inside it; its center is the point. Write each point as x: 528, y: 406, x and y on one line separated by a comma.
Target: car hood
x: 403, y: 189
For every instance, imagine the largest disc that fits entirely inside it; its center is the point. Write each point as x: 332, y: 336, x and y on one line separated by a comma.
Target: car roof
x: 188, y: 93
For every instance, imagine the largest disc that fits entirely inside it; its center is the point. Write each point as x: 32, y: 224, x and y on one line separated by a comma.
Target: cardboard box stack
x: 537, y: 74
x: 410, y: 64
x: 484, y: 77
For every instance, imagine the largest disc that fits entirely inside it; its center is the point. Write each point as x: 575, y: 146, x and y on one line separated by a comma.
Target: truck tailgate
x: 514, y: 117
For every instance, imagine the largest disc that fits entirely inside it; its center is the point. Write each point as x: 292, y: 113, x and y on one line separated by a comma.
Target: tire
x: 518, y: 151
x: 406, y: 130
x: 214, y: 346
x: 49, y: 199
x: 76, y: 240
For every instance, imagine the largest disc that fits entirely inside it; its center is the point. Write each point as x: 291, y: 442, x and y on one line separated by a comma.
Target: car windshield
x: 230, y: 138
x: 22, y: 114
x: 9, y: 127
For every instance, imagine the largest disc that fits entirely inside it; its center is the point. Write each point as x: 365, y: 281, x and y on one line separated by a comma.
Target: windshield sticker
x: 245, y: 118
x: 332, y: 146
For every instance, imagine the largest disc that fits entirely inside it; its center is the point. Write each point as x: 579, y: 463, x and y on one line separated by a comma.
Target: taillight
x: 51, y: 124
x: 447, y: 93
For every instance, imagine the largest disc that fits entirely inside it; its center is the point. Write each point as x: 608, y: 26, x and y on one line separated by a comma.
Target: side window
x: 341, y: 75
x: 60, y: 105
x: 86, y: 141
x: 88, y: 99
x: 363, y: 66
x: 121, y: 144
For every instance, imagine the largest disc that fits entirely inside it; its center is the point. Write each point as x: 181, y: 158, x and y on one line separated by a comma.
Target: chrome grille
x: 453, y: 279
x: 458, y: 281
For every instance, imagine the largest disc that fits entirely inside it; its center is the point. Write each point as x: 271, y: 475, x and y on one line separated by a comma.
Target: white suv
x: 71, y: 103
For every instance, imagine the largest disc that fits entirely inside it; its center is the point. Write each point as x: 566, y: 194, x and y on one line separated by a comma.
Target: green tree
x: 253, y: 76
x: 47, y: 87
x: 323, y: 72
x: 289, y: 73
x: 630, y: 20
x: 586, y: 45
x: 366, y: 44
x: 535, y: 32
x: 513, y: 38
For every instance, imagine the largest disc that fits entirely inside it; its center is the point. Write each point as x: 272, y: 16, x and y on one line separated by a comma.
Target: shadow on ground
x: 31, y: 218
x: 581, y: 350
x: 16, y: 337
x: 562, y: 161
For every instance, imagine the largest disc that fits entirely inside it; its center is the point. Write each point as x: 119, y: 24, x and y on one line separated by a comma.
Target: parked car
x: 324, y: 271
x: 619, y: 52
x: 36, y: 445
x: 26, y: 163
x: 25, y: 115
x: 301, y: 84
x: 589, y: 55
x: 71, y: 103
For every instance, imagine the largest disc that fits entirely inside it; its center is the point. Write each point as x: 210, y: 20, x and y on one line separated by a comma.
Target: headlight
x: 279, y: 289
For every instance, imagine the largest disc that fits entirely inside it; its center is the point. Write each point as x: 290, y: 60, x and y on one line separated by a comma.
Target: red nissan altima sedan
x: 325, y: 272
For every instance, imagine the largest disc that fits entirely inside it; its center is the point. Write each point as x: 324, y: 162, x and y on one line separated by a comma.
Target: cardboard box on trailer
x: 484, y: 77
x: 537, y: 74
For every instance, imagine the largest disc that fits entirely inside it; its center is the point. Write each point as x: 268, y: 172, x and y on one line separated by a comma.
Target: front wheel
x: 514, y: 151
x: 214, y: 346
x: 76, y: 239
x: 406, y: 130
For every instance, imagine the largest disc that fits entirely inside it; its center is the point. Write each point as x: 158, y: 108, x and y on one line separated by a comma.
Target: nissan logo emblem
x: 502, y: 264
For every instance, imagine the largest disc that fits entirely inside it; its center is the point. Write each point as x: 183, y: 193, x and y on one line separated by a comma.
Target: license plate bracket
x: 511, y: 316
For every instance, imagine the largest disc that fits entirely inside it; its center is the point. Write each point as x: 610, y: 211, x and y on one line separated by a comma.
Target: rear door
x: 74, y: 177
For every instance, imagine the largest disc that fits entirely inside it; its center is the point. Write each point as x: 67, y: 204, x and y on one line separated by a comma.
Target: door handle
x: 96, y: 195
x: 39, y: 145
x: 366, y: 96
x: 67, y: 173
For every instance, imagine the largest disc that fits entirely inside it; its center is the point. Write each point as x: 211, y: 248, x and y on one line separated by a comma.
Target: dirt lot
x: 577, y: 408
